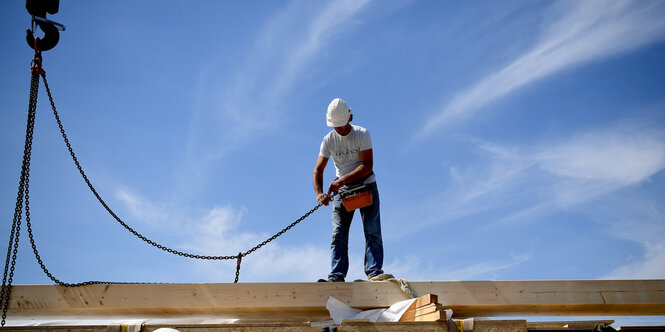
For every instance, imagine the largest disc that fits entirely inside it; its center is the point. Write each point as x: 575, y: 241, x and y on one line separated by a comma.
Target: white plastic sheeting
x: 340, y: 311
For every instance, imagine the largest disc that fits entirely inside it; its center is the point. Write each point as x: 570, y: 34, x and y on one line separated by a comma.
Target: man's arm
x: 322, y: 198
x: 367, y: 163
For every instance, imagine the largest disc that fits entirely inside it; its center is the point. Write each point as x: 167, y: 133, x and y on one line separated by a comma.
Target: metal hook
x: 60, y: 26
x: 51, y: 34
x: 38, y: 10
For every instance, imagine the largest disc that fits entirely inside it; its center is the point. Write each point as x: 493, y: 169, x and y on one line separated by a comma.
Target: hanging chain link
x: 108, y: 209
x: 22, y: 194
x: 23, y: 197
x: 282, y: 231
x: 139, y: 235
x: 130, y: 229
x: 238, y: 268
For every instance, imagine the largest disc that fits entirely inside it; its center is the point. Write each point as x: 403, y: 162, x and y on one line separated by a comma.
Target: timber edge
x: 295, y: 303
x: 346, y: 326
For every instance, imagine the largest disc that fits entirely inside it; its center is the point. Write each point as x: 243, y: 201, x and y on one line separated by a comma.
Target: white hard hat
x: 338, y: 113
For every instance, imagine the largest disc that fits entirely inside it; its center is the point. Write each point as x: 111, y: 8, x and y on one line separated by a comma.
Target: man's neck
x: 345, y: 130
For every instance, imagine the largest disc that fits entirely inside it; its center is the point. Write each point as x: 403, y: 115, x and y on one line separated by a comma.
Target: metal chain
x: 99, y: 198
x: 246, y: 253
x: 23, y: 193
x: 39, y: 259
x: 238, y: 268
x: 139, y: 235
x: 282, y: 231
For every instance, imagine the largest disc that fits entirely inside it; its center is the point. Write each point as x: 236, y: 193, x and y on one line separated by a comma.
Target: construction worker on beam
x: 355, y: 187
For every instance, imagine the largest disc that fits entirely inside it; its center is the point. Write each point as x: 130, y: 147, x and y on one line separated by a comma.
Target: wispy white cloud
x: 413, y: 268
x: 602, y: 161
x: 234, y: 106
x: 485, y: 270
x: 286, y: 47
x: 304, y: 264
x: 272, y: 263
x: 618, y: 155
x: 333, y: 19
x: 525, y: 183
x: 409, y: 267
x: 577, y: 32
x: 502, y: 177
x: 592, y: 173
x: 639, y: 219
x: 143, y: 210
x: 650, y: 266
x: 575, y: 170
x: 218, y: 231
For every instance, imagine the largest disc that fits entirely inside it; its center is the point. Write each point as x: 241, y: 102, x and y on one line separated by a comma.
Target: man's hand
x: 323, y: 199
x: 334, y: 186
x: 318, y: 181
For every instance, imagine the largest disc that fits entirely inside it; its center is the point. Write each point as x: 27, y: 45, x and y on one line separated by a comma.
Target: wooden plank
x: 409, y: 315
x: 499, y: 326
x: 394, y: 327
x: 543, y: 298
x: 436, y: 316
x: 428, y: 308
x: 421, y: 301
x: 256, y: 327
x: 567, y: 325
x: 99, y: 328
x: 289, y: 300
x: 426, y: 299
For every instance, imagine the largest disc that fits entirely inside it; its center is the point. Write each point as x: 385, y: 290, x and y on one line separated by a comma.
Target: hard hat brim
x: 337, y: 124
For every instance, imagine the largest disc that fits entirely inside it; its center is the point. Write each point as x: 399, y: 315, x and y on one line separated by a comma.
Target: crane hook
x: 38, y: 10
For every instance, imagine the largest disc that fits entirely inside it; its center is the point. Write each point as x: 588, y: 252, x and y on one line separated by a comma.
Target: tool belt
x: 356, y: 195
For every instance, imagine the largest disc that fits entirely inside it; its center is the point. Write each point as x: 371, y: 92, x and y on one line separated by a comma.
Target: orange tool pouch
x: 356, y: 197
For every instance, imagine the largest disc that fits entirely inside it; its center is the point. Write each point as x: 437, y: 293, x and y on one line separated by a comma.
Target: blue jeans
x: 341, y: 221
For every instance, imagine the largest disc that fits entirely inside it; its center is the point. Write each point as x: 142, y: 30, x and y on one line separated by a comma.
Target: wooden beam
x: 278, y: 301
x: 420, y: 302
x: 567, y: 325
x: 411, y: 315
x: 428, y: 308
x: 435, y: 316
x: 500, y: 326
x: 426, y: 299
x: 366, y: 326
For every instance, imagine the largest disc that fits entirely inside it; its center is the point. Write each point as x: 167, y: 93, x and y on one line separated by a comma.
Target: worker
x: 351, y: 149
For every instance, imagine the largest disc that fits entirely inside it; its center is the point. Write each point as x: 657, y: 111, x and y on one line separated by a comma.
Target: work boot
x: 382, y: 277
x: 331, y: 280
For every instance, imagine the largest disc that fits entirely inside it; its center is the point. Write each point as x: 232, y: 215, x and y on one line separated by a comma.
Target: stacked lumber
x: 426, y: 309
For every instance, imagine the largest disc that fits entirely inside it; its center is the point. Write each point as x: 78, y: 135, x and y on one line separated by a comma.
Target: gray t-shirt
x: 345, y: 150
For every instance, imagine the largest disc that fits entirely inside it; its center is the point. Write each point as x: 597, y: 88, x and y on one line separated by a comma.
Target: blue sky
x: 512, y: 140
